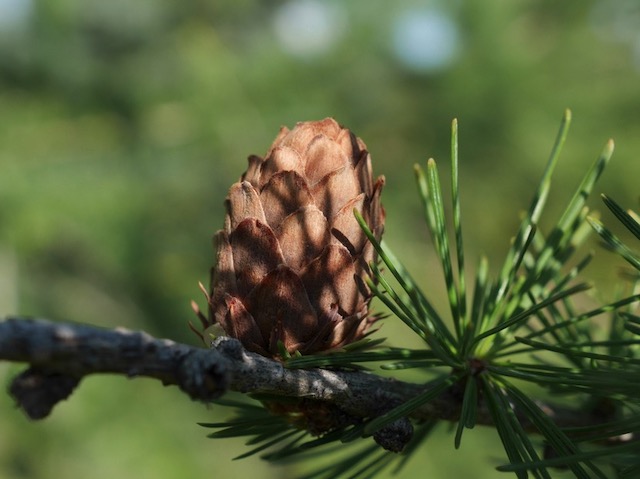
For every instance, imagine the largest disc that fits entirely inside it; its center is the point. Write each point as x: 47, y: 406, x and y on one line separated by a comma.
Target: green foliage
x: 122, y: 124
x: 521, y: 332
x: 611, y: 240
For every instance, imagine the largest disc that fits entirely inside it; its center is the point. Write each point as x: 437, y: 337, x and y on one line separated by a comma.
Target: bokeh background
x: 123, y: 123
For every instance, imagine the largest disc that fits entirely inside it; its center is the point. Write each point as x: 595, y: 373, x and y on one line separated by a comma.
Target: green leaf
x: 412, y: 308
x: 583, y: 354
x: 266, y: 444
x: 519, y: 318
x: 349, y: 358
x: 525, y: 233
x: 625, y: 218
x: 615, y: 244
x: 431, y: 194
x: 469, y: 409
x: 552, y: 433
x: 370, y: 456
x: 457, y: 225
x: 511, y: 439
x: 630, y: 448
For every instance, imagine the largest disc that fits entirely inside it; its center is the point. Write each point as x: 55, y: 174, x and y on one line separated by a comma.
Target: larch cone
x: 292, y: 258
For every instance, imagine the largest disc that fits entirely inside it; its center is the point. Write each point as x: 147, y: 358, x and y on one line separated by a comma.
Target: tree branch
x: 61, y: 354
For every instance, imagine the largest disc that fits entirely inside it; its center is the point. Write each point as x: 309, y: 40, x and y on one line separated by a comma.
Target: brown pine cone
x: 291, y: 257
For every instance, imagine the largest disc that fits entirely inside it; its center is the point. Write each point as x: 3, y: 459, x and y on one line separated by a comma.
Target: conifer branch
x: 59, y: 355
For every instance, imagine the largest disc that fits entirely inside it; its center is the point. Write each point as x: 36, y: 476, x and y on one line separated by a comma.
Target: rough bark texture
x: 59, y: 355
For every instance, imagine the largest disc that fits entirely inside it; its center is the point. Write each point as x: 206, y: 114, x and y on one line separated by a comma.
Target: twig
x: 61, y: 354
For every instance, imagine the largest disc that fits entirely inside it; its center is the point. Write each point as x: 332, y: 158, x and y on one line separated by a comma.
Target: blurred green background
x: 123, y: 123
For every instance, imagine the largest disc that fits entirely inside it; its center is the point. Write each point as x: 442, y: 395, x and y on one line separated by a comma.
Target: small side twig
x: 61, y: 354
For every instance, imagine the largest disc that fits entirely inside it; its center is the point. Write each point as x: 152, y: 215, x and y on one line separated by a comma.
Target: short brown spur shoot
x: 291, y: 257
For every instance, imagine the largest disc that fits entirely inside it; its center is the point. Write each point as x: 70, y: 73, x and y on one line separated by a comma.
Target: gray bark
x: 59, y: 355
